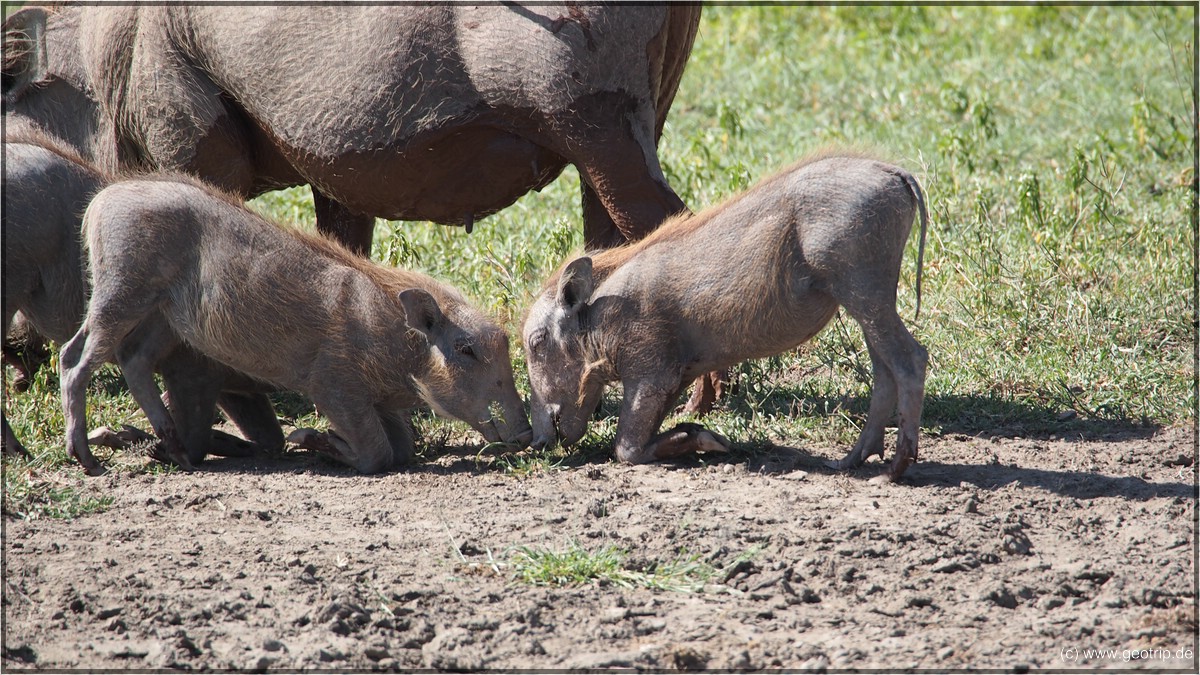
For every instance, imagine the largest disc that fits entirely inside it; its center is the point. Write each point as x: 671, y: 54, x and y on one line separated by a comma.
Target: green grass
x: 576, y: 565
x: 1056, y: 147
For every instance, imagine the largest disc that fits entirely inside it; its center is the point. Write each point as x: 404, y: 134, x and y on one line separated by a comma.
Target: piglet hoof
x: 854, y: 459
x: 900, y: 464
x: 850, y: 461
x: 311, y: 439
x: 228, y: 445
x: 127, y: 436
x: 159, y: 453
x: 688, y: 438
x: 90, y: 466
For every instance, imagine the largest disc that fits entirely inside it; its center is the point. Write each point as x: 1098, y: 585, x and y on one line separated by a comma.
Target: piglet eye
x: 465, y: 349
x: 536, y: 340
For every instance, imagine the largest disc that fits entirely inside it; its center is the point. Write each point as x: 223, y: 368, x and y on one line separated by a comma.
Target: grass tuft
x: 577, y: 566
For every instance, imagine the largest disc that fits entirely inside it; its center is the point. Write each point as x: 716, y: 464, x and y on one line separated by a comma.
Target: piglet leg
x: 78, y: 358
x: 685, y: 439
x: 706, y: 391
x: 137, y: 358
x: 109, y: 438
x: 642, y: 412
x: 12, y: 445
x: 326, y: 443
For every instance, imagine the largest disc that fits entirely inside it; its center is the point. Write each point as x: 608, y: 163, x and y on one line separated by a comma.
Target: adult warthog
x: 171, y: 258
x: 750, y: 278
x: 442, y: 113
x: 46, y: 188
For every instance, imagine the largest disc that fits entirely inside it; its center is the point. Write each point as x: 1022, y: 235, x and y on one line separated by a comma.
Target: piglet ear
x: 421, y: 311
x: 575, y: 286
x: 24, y: 49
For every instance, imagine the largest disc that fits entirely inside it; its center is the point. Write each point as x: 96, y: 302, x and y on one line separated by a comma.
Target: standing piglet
x: 170, y: 257
x: 750, y: 278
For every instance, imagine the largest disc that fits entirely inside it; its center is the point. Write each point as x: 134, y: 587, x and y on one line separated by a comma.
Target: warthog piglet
x: 46, y: 188
x: 750, y: 278
x: 363, y: 341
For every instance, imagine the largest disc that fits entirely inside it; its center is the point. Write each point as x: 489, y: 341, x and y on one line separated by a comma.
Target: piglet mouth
x: 546, y: 440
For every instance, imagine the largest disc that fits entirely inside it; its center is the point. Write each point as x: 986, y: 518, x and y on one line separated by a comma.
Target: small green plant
x: 608, y: 564
x: 31, y: 492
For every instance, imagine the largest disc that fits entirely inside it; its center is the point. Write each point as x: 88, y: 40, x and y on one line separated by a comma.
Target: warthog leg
x: 107, y: 437
x: 12, y: 446
x: 899, y: 364
x: 254, y: 416
x: 685, y: 439
x: 352, y: 230
x: 706, y: 391
x: 883, y: 404
x: 223, y: 444
x: 642, y: 412
x: 357, y: 435
x: 326, y: 443
x: 78, y: 358
x: 26, y: 358
x: 137, y: 358
x: 400, y: 436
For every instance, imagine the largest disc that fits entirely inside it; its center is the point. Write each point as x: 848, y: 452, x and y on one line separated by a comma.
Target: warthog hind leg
x: 899, y: 363
x: 137, y: 359
x: 883, y: 404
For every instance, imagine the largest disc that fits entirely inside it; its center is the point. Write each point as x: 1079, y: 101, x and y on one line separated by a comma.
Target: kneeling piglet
x: 46, y: 187
x: 170, y: 257
x: 750, y: 278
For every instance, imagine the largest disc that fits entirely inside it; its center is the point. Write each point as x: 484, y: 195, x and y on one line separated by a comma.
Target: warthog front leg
x: 400, y: 437
x: 326, y: 443
x: 12, y: 446
x: 357, y: 436
x: 642, y: 412
x: 685, y: 439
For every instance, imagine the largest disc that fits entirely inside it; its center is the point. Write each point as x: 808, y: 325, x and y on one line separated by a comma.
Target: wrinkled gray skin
x: 363, y: 341
x: 446, y: 113
x: 751, y: 278
x: 46, y: 189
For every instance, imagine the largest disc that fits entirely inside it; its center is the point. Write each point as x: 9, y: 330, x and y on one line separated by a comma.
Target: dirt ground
x: 994, y: 553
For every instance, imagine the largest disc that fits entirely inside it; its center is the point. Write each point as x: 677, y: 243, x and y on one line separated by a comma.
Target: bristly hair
x: 392, y: 280
x: 604, y: 261
x: 20, y: 131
